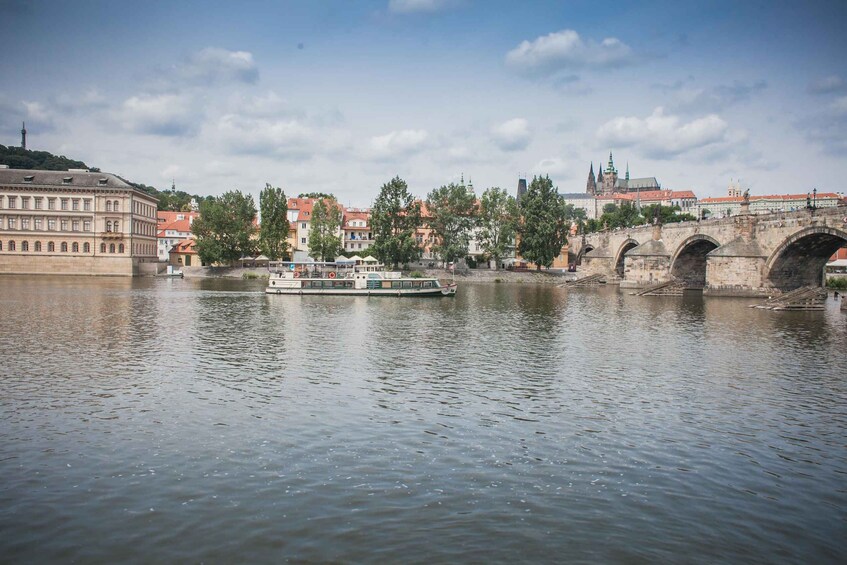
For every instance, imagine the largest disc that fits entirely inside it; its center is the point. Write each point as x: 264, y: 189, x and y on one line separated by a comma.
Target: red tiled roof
x: 167, y: 217
x: 184, y: 246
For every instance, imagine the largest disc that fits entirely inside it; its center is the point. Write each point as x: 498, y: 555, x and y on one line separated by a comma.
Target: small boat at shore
x: 340, y: 278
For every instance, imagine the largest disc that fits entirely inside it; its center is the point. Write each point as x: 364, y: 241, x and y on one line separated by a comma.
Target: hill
x: 19, y: 158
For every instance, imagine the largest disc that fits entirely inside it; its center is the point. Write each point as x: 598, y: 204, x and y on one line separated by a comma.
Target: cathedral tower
x: 610, y: 177
x: 591, y: 185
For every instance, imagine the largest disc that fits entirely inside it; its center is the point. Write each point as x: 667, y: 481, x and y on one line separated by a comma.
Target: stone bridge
x: 741, y: 255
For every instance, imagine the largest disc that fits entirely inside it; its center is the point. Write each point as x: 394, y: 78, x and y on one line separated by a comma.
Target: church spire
x: 591, y: 185
x: 611, y: 167
x: 23, y: 135
x: 627, y: 170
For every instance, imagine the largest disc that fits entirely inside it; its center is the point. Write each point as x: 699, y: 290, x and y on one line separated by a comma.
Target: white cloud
x: 281, y: 138
x: 826, y: 85
x: 553, y: 166
x: 714, y: 99
x: 165, y: 114
x: 512, y: 135
x: 415, y: 6
x: 566, y: 50
x: 398, y: 143
x: 213, y: 65
x: 662, y: 136
x: 839, y: 106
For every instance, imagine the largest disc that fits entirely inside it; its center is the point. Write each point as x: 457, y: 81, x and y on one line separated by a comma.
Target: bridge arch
x: 799, y: 260
x: 583, y: 250
x: 688, y: 263
x: 620, y: 256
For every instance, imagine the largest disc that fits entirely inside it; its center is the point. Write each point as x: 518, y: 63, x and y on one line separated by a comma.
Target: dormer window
x: 67, y: 180
x: 28, y: 178
x: 102, y: 182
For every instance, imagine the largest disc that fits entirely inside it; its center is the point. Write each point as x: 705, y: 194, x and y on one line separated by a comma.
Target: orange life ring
x: 296, y: 274
x: 332, y: 274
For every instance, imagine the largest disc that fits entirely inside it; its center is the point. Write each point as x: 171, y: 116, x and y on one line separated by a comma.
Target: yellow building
x: 75, y: 222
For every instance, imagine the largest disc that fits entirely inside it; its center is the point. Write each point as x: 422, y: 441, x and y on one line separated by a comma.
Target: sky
x: 342, y: 96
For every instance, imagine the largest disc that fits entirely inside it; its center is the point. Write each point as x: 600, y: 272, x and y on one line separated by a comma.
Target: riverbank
x: 471, y: 275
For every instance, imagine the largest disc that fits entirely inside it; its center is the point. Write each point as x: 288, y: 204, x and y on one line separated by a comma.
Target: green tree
x: 624, y: 216
x: 273, y: 232
x: 395, y: 217
x: 498, y: 221
x: 225, y: 228
x: 545, y: 223
x: 324, y: 234
x: 666, y: 214
x: 452, y: 210
x: 316, y: 195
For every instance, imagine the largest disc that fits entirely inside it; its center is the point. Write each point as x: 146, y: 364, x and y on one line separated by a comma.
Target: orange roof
x: 185, y: 246
x: 167, y: 217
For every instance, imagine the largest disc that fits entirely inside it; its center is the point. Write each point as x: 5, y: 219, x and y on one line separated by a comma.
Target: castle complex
x: 608, y: 182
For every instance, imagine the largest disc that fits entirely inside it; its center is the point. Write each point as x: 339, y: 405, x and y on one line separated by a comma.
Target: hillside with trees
x: 19, y: 158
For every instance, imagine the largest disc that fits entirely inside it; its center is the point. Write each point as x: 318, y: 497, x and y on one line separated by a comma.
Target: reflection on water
x: 201, y: 420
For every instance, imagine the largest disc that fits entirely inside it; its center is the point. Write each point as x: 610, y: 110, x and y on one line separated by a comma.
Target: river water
x: 154, y: 420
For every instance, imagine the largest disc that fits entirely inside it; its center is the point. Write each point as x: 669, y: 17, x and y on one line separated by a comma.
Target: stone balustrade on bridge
x: 741, y: 255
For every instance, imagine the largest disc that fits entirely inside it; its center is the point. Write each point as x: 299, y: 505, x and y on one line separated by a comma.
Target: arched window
x: 111, y: 248
x: 108, y: 205
x: 86, y: 247
x: 115, y: 225
x: 115, y: 206
x: 11, y: 245
x: 75, y: 247
x: 64, y: 247
x: 102, y: 248
x: 24, y: 246
x: 121, y: 248
x: 37, y: 246
x: 1, y: 246
x: 51, y: 247
x: 108, y: 225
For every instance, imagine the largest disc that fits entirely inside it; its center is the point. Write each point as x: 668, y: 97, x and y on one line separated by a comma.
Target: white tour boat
x: 339, y: 277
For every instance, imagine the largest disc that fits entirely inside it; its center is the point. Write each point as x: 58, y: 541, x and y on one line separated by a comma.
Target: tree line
x: 537, y: 225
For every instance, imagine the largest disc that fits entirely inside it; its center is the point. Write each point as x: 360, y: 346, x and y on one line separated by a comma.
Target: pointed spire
x: 611, y: 167
x: 627, y: 170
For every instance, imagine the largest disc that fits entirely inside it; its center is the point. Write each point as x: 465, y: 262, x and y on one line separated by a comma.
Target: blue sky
x: 342, y: 96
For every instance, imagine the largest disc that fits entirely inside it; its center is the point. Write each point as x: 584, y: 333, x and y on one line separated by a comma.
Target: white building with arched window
x: 75, y: 222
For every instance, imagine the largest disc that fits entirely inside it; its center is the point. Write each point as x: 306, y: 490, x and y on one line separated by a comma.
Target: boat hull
x: 449, y: 290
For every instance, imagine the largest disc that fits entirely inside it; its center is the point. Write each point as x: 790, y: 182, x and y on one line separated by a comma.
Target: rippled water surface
x: 156, y: 420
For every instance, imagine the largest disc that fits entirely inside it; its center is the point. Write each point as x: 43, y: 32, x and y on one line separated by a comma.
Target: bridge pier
x: 647, y: 264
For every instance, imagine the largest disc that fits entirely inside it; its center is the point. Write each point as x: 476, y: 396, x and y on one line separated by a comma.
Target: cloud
x: 287, y: 139
x: 512, y: 135
x: 564, y: 50
x: 839, y: 106
x: 826, y: 127
x: 827, y: 85
x: 418, y: 6
x: 715, y: 99
x: 398, y: 143
x: 554, y: 167
x: 213, y: 65
x: 165, y: 114
x: 662, y: 136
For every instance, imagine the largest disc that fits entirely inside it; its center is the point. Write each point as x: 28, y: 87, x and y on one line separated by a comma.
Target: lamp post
x: 814, y: 198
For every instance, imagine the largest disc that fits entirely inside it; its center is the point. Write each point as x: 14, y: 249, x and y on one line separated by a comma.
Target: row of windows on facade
x: 65, y: 203
x: 38, y: 224
x: 74, y: 247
